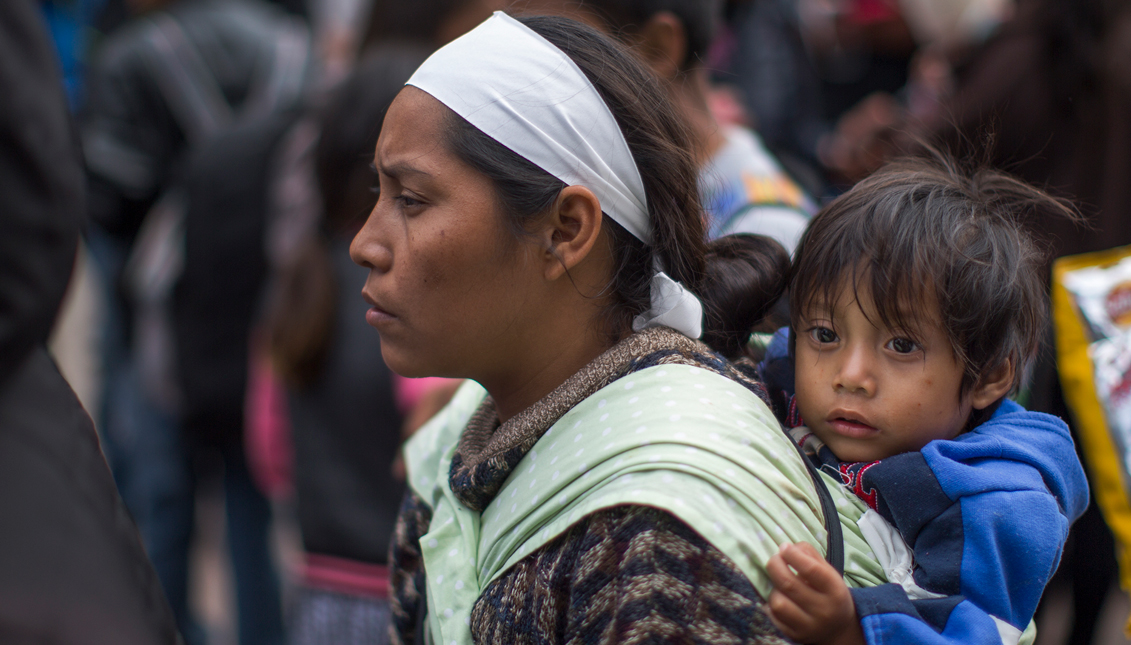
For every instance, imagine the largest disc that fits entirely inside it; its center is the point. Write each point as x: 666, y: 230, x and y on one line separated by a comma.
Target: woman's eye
x: 408, y: 201
x: 903, y: 346
x: 823, y: 335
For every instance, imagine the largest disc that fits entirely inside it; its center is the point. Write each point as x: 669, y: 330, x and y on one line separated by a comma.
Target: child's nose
x: 856, y: 373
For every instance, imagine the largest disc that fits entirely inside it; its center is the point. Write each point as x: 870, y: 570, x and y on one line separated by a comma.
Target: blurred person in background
x: 340, y: 408
x: 743, y: 188
x: 949, y: 35
x: 72, y: 567
x: 431, y: 22
x: 800, y: 64
x: 164, y: 88
x: 340, y: 399
x: 766, y: 58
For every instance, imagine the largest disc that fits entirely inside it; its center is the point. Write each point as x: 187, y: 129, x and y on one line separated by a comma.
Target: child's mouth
x: 852, y: 428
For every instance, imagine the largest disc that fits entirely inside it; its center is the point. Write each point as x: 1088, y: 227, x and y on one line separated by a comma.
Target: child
x: 916, y: 302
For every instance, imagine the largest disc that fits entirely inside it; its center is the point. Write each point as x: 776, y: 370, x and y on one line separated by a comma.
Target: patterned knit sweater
x: 630, y: 574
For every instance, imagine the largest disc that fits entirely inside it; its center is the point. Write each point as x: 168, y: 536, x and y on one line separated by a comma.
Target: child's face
x: 871, y: 392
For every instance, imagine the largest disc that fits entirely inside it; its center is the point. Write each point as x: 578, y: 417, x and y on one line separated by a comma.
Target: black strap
x: 420, y: 637
x: 834, y: 545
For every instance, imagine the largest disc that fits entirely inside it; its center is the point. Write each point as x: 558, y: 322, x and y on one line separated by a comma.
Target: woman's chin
x: 407, y: 369
x: 406, y: 364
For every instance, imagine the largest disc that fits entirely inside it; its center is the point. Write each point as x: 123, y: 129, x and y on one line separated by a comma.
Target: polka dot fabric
x: 675, y: 437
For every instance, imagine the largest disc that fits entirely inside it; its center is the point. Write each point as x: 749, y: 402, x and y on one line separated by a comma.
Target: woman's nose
x: 368, y: 248
x: 855, y: 373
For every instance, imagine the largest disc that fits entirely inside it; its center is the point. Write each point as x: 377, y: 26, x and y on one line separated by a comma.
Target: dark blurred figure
x: 345, y: 425
x: 801, y: 64
x: 1049, y: 99
x: 318, y: 379
x: 115, y: 13
x: 72, y: 569
x: 432, y: 23
x: 178, y: 98
x: 860, y: 137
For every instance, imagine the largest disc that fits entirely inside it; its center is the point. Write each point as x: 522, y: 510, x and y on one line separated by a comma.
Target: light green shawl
x: 691, y: 442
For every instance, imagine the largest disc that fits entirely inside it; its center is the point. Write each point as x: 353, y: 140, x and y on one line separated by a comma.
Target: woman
x: 613, y: 479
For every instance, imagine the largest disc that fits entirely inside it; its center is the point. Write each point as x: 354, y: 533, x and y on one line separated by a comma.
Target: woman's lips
x: 851, y: 428
x: 376, y: 316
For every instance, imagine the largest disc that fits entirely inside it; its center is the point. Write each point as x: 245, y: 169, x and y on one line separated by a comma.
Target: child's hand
x: 812, y: 605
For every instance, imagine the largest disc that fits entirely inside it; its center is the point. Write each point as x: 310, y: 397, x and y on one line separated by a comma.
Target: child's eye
x: 903, y: 346
x: 823, y: 335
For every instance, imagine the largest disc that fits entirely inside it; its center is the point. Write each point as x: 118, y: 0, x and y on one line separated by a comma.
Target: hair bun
x: 746, y: 275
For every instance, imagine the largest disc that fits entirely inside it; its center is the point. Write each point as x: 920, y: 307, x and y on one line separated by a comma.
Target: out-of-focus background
x: 213, y: 327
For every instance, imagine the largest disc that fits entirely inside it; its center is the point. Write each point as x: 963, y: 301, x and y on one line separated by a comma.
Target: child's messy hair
x: 920, y: 231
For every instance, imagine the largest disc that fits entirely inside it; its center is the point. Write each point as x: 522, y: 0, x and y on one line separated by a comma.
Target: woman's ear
x: 993, y: 385
x: 571, y: 230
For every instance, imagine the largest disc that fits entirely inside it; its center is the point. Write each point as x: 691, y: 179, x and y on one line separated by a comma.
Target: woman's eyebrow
x: 400, y: 169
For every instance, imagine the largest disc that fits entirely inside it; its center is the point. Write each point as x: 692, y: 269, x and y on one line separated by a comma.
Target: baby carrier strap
x: 834, y: 545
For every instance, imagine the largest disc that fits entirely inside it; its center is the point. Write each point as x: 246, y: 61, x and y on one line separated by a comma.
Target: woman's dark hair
x: 923, y: 231
x: 746, y: 270
x: 303, y: 298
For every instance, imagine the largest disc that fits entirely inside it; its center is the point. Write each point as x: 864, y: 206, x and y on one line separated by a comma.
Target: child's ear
x: 993, y: 385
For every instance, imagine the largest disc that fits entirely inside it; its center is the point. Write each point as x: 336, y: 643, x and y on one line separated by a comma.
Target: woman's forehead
x: 414, y: 127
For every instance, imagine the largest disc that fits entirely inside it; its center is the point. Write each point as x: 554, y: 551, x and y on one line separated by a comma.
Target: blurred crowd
x: 228, y: 148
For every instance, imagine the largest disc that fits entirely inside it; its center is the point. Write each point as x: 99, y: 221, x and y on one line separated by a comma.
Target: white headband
x: 539, y: 104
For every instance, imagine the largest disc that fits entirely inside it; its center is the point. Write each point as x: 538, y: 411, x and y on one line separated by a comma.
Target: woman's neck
x: 564, y: 324
x: 545, y: 367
